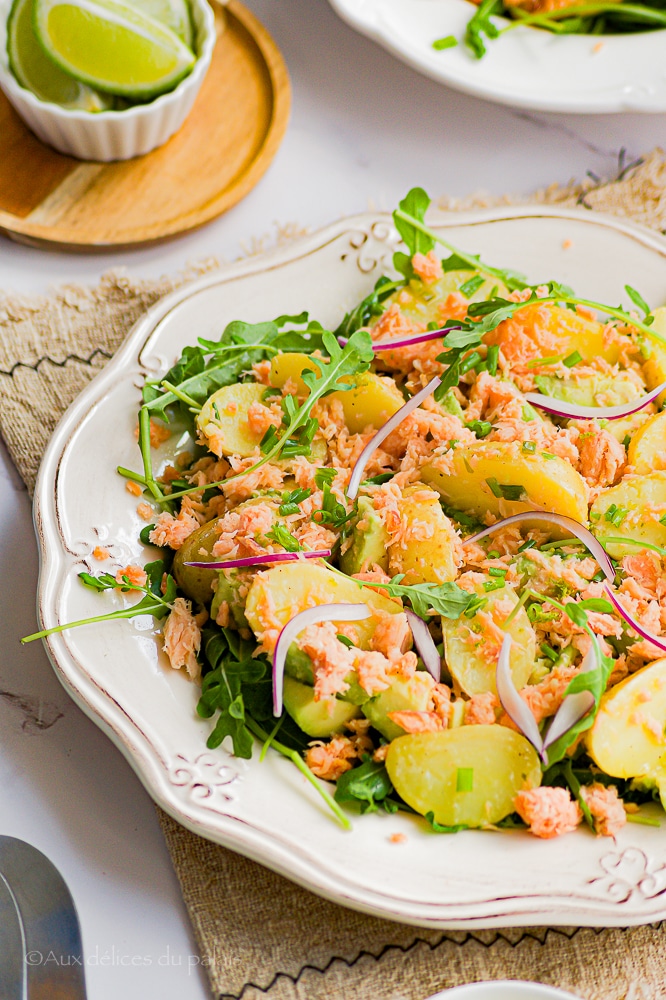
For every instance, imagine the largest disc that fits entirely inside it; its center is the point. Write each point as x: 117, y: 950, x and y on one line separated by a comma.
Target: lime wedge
x: 37, y: 73
x: 112, y: 45
x: 174, y: 13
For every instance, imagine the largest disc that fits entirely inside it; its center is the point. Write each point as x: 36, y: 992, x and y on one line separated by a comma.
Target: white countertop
x: 364, y: 130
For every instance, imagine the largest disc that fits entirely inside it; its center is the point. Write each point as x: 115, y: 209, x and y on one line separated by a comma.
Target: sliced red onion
x: 311, y: 616
x: 635, y: 625
x: 383, y: 433
x: 425, y: 645
x: 264, y: 557
x: 416, y: 338
x: 576, y: 412
x: 572, y: 709
x: 518, y: 710
x: 568, y: 523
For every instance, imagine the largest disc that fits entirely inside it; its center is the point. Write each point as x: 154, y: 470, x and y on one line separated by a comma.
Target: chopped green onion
x: 497, y: 571
x: 572, y: 359
x: 529, y: 447
x: 448, y: 42
x: 465, y: 779
x: 548, y: 651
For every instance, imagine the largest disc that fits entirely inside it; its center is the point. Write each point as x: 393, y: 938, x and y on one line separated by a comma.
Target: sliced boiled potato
x: 647, y: 448
x: 638, y: 505
x: 628, y: 738
x: 424, y: 550
x: 466, y: 479
x: 404, y: 695
x: 223, y: 420
x: 468, y: 659
x: 370, y: 403
x: 425, y: 770
x: 545, y: 330
x: 291, y: 366
x: 279, y: 594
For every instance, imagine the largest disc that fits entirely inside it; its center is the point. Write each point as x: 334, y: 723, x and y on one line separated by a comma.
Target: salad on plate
x: 423, y: 555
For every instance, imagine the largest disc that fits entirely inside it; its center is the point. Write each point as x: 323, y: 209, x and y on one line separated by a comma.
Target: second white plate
x: 527, y: 68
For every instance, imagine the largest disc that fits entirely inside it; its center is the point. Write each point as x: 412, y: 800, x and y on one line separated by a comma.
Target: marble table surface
x: 364, y: 129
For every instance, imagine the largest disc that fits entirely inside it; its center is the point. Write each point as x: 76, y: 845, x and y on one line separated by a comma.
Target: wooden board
x: 222, y: 150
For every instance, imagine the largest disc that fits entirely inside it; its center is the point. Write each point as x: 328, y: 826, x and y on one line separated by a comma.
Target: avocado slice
x: 584, y: 391
x: 316, y: 718
x: 410, y: 695
x: 298, y: 666
x: 369, y: 540
x: 227, y: 588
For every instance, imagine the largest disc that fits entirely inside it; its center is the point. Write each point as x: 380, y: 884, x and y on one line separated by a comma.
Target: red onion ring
x: 264, y: 557
x: 518, y: 710
x: 573, y: 411
x: 578, y: 530
x: 425, y: 645
x: 416, y: 338
x: 633, y: 622
x: 572, y: 709
x: 311, y: 616
x: 383, y: 433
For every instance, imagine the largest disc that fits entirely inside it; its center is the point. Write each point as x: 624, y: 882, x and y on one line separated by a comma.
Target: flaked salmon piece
x: 133, y: 488
x: 373, y: 671
x: 332, y: 661
x: 606, y: 806
x: 135, y: 574
x: 602, y: 458
x: 182, y: 638
x: 261, y: 417
x: 417, y: 722
x: 173, y: 531
x: 392, y: 636
x: 440, y: 702
x: 100, y: 553
x: 481, y: 709
x: 428, y: 267
x: 262, y: 372
x: 454, y: 306
x: 548, y: 812
x: 145, y: 511
x: 644, y: 569
x: 545, y: 698
x: 223, y: 614
x: 267, y: 477
x: 329, y: 761
x: 526, y: 336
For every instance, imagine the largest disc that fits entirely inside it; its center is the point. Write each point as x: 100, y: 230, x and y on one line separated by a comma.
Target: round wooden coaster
x: 224, y: 147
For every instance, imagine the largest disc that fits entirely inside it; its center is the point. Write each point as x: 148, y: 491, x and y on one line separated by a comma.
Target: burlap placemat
x: 259, y: 935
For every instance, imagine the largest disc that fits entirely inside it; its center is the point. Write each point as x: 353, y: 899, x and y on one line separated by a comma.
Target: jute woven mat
x: 259, y: 935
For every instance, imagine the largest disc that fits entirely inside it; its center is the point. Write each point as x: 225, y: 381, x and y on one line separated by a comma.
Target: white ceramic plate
x: 267, y: 811
x: 526, y: 68
x: 504, y: 990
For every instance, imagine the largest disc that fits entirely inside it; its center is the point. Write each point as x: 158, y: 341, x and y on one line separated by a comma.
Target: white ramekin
x: 111, y: 135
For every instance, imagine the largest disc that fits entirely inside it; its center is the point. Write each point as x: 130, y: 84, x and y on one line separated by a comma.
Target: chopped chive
x: 643, y: 820
x: 345, y: 641
x: 572, y: 359
x: 468, y: 288
x: 494, y: 487
x: 530, y: 544
x: 448, y: 42
x: 548, y: 651
x: 493, y: 585
x: 538, y: 362
x: 492, y: 358
x: 465, y: 779
x: 468, y: 466
x: 497, y: 571
x: 529, y: 447
x: 493, y: 554
x: 616, y: 515
x: 481, y: 428
x: 548, y: 456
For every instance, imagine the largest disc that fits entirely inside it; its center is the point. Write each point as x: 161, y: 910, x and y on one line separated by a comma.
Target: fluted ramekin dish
x: 111, y: 135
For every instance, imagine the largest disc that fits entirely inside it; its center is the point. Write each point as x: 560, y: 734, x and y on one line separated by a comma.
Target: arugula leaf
x: 153, y: 603
x: 438, y: 828
x: 353, y: 359
x: 414, y: 204
x: 367, y: 785
x: 231, y: 668
x: 445, y: 599
x: 368, y: 308
x: 202, y: 370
